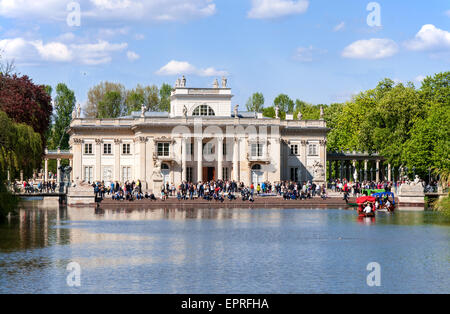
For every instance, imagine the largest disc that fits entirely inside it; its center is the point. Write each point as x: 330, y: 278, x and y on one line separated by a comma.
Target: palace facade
x: 202, y: 138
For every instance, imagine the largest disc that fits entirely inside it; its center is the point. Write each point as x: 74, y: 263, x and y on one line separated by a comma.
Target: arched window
x: 203, y: 110
x: 256, y: 167
x: 164, y: 167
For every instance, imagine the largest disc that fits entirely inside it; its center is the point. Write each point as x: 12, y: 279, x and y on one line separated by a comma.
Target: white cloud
x: 339, y: 27
x: 132, y: 56
x: 139, y: 36
x: 53, y: 51
x: 98, y: 53
x: 182, y: 67
x: 269, y: 9
x: 308, y: 54
x: 23, y: 50
x: 50, y: 9
x: 375, y: 48
x: 110, y: 10
x: 429, y: 38
x: 419, y: 78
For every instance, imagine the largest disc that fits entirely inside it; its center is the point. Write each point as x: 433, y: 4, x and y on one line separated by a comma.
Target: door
x: 209, y: 174
x: 165, y: 172
x: 257, y: 174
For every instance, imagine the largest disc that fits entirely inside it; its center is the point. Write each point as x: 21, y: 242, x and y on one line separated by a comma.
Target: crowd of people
x: 34, y: 186
x: 212, y: 190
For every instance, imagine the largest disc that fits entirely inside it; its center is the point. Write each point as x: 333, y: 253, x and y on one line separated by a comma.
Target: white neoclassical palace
x: 202, y: 138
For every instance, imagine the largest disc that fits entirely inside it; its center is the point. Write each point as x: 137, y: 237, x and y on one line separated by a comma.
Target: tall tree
x: 255, y: 103
x: 147, y: 96
x: 285, y: 104
x: 64, y: 105
x: 97, y: 94
x: 164, y: 97
x: 111, y: 106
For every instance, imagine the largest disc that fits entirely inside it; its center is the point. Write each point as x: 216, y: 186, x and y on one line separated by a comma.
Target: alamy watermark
x: 374, y: 17
x: 74, y: 16
x: 374, y: 277
x: 73, y: 279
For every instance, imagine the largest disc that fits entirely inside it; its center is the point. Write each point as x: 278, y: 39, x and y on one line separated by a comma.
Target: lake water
x: 223, y: 251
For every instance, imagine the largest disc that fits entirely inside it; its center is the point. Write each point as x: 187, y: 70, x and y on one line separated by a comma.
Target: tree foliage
x: 164, y: 98
x: 64, y: 103
x: 25, y: 102
x: 112, y: 100
x: 101, y: 99
x: 255, y: 103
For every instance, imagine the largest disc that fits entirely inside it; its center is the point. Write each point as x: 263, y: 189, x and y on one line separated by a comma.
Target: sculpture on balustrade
x: 318, y: 171
x: 156, y: 176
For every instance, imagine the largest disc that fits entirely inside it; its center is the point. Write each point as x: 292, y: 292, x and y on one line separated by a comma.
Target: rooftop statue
x: 224, y: 82
x: 216, y: 83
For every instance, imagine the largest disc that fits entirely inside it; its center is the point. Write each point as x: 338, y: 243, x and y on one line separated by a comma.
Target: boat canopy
x: 381, y: 195
x: 363, y: 199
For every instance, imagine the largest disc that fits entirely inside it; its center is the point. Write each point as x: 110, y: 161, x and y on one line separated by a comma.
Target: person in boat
x: 368, y: 209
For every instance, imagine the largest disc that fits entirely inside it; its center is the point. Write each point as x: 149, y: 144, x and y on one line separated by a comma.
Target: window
x: 294, y: 174
x: 189, y: 176
x: 126, y: 174
x: 203, y: 110
x: 294, y: 150
x: 126, y: 149
x: 189, y: 149
x: 88, y: 149
x: 163, y: 149
x: 257, y: 150
x: 89, y: 173
x: 208, y: 148
x: 224, y: 149
x: 312, y: 150
x: 107, y: 149
x: 226, y: 175
x: 256, y: 167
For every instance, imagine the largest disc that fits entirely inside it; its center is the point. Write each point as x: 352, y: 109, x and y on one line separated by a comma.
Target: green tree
x: 98, y: 93
x: 164, y: 98
x: 20, y: 149
x: 147, y: 96
x: 111, y: 106
x: 64, y: 104
x: 285, y: 104
x: 255, y: 103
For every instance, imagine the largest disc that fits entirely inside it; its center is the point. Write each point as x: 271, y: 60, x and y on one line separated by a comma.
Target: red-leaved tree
x: 25, y: 102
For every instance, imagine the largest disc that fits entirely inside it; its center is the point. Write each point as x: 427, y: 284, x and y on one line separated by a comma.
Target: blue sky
x: 318, y: 51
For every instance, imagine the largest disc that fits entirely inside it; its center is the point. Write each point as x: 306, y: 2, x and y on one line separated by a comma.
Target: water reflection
x: 222, y: 251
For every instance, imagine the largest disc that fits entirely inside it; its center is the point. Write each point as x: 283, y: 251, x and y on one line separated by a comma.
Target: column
x: 98, y: 160
x: 150, y: 152
x: 46, y: 170
x: 330, y: 171
x: 323, y: 157
x: 303, y: 158
x: 355, y: 177
x: 77, y: 171
x: 183, y: 159
x: 389, y: 173
x: 142, y: 161
x: 199, y: 142
x: 377, y: 178
x: 220, y: 158
x: 365, y: 169
x: 236, y: 160
x: 117, y: 143
x: 58, y: 172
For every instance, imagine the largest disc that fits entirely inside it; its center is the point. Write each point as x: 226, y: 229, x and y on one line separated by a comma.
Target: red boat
x: 363, y: 202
